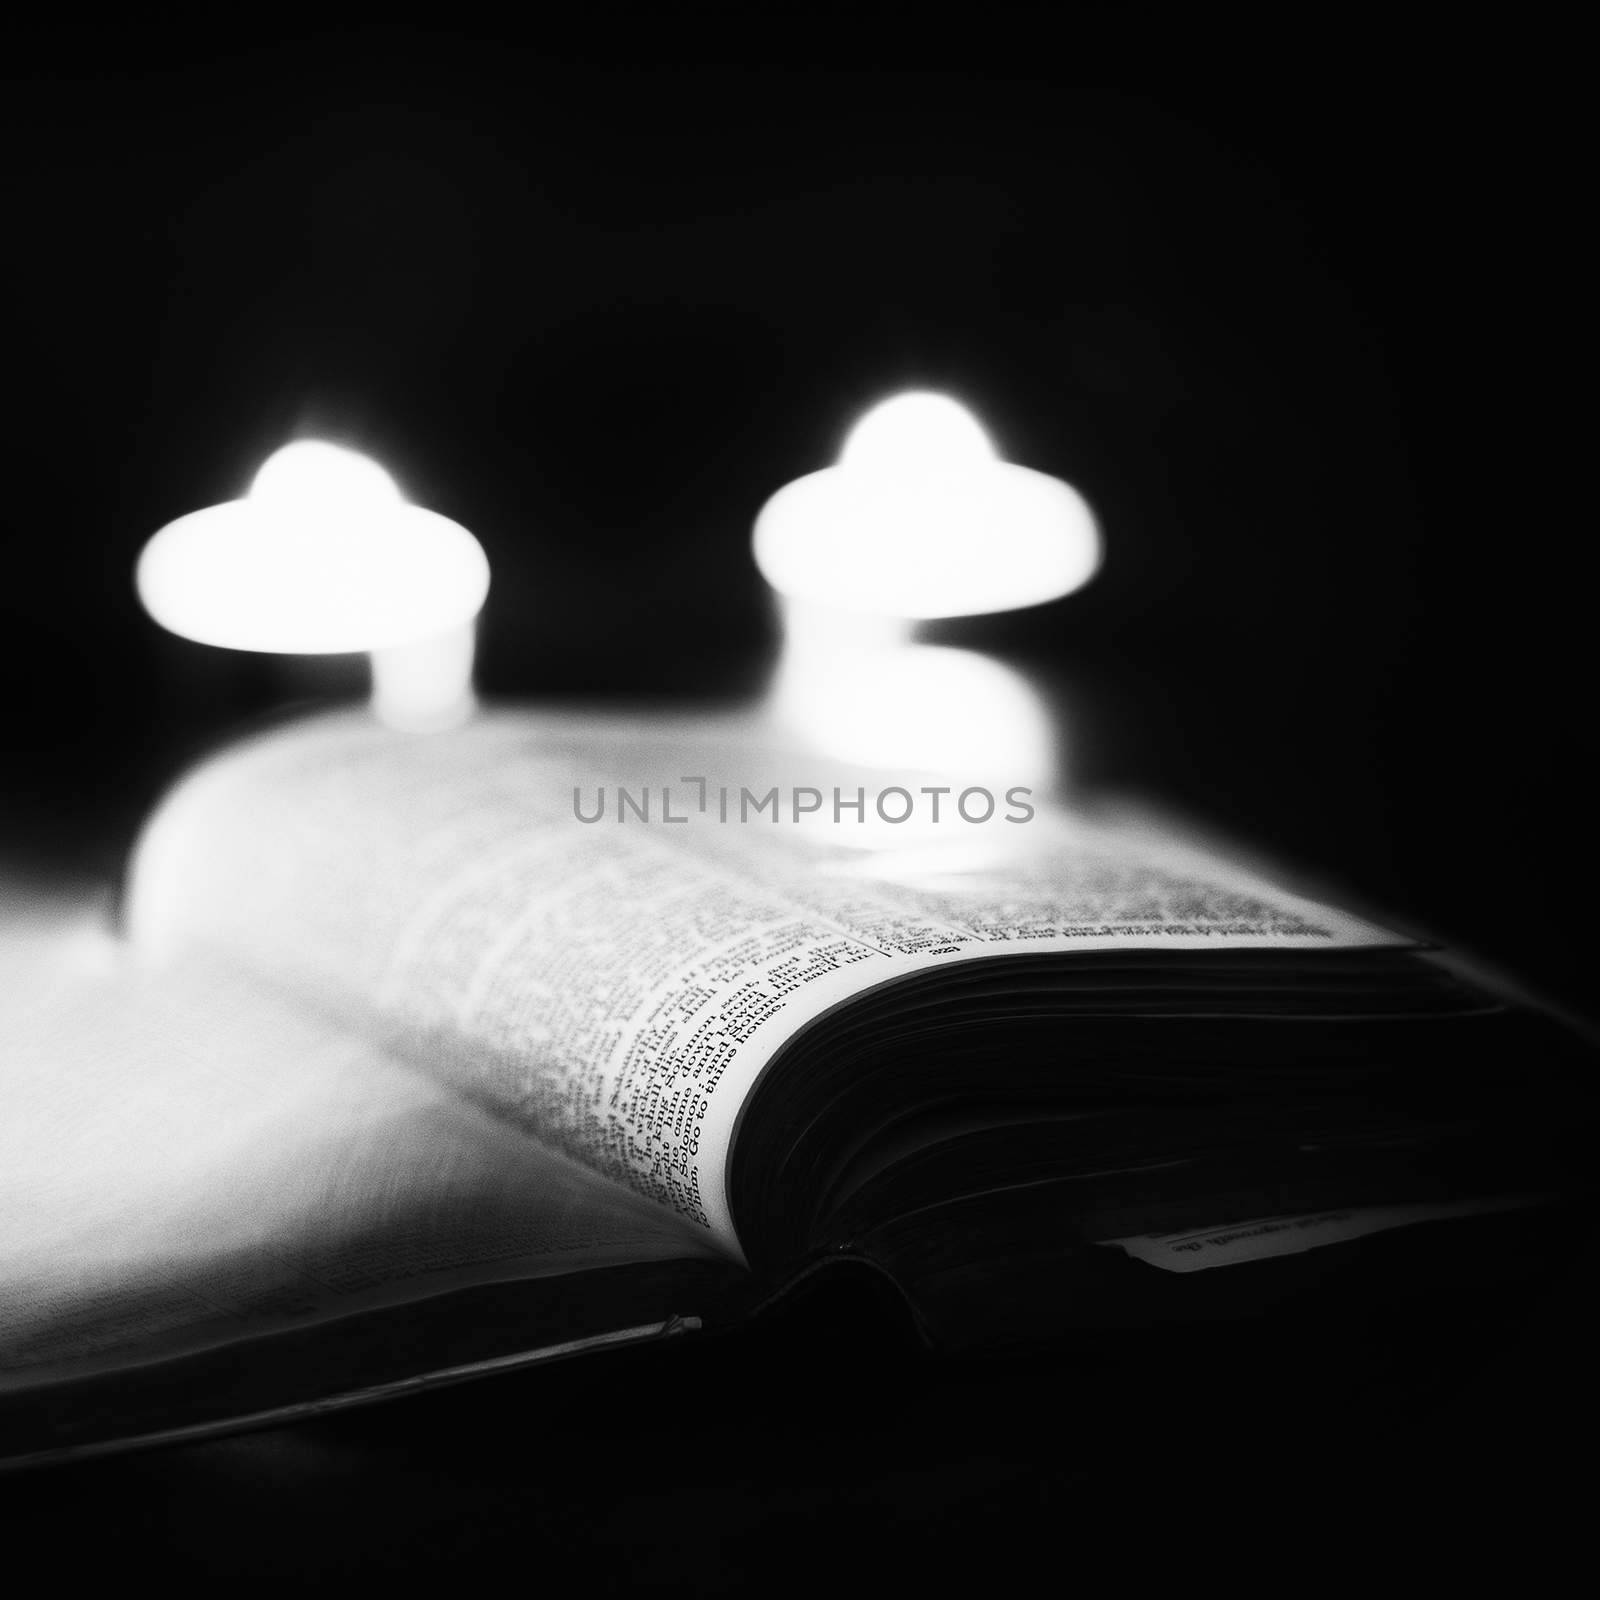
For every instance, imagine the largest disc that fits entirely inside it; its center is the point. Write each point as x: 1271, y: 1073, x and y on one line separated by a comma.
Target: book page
x: 1262, y: 1238
x: 185, y: 1161
x: 614, y: 980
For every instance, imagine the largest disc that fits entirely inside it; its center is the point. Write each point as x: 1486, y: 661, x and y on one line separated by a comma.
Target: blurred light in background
x: 324, y: 556
x: 920, y: 519
x: 918, y: 432
x: 876, y: 698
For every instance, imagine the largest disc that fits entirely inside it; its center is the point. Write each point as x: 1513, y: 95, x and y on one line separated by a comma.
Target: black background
x: 1294, y: 306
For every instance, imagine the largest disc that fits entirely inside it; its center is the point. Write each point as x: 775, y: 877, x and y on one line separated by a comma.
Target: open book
x: 421, y: 1056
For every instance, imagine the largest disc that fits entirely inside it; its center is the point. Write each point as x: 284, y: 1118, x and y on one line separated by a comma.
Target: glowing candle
x: 324, y: 556
x: 922, y: 519
x: 919, y: 519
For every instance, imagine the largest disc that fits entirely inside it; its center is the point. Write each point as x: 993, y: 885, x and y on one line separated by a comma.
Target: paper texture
x: 617, y: 987
x: 184, y: 1159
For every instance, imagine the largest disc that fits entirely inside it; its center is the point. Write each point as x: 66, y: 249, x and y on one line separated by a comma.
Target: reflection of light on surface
x: 852, y: 688
x: 921, y: 519
x: 324, y: 556
x: 934, y: 709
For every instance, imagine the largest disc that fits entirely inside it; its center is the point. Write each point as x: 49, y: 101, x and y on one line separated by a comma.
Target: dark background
x: 1294, y: 310
x: 1293, y: 307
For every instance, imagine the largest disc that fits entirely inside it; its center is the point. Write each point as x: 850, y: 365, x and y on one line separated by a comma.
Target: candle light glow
x: 325, y: 556
x: 920, y: 519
